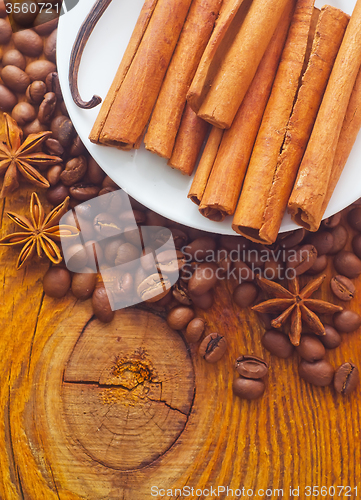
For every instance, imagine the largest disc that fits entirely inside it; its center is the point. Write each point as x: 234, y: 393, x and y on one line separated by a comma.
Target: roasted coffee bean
x: 310, y: 348
x: 15, y: 58
x: 346, y: 321
x: 354, y: 218
x: 7, y: 99
x: 180, y: 238
x: 251, y: 367
x: 277, y: 343
x: 242, y: 272
x: 47, y: 108
x: 28, y: 42
x: 86, y: 227
x: 26, y: 14
x: 291, y: 239
x: 153, y: 288
x: 108, y: 182
x: 319, y: 266
x: 342, y: 287
x: 2, y: 8
x: 123, y: 287
x: 5, y: 31
x: 83, y: 284
x: 15, y: 78
x: 53, y: 174
x: 195, y: 329
x: 127, y: 253
x: 213, y: 347
x: 273, y: 270
x: 56, y: 282
x: 356, y: 245
x: 57, y: 194
x: 346, y: 378
x: 224, y: 265
x: 34, y: 127
x: 63, y: 130
x: 245, y: 294
x: 95, y: 174
x: 347, y: 264
x: 101, y: 302
x: 302, y: 259
x: 76, y: 257
x: 200, y: 248
x: 46, y: 21
x: 76, y: 149
x: 234, y: 244
x: 94, y: 251
x: 50, y: 46
x: 247, y: 388
x: 132, y: 235
x: 74, y: 171
x: 204, y: 301
x: 154, y: 219
x: 340, y: 236
x: 169, y: 262
x: 107, y: 225
x: 322, y: 241
x: 332, y: 221
x: 39, y: 69
x: 180, y: 293
x: 179, y: 317
x: 53, y: 85
x: 23, y: 113
x: 318, y: 373
x: 331, y: 339
x: 84, y: 192
x: 54, y: 147
x: 35, y: 92
x: 203, y: 279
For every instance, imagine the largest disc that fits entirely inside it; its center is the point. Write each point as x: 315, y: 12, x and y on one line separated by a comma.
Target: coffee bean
x: 213, y: 347
x: 101, y: 302
x: 46, y: 21
x: 346, y: 321
x: 28, y: 42
x: 194, y: 330
x: 7, y: 99
x: 34, y: 127
x: 50, y: 46
x: 107, y: 226
x: 242, y: 272
x: 76, y: 257
x: 84, y: 192
x: 95, y: 174
x: 200, y: 248
x: 15, y: 78
x: 47, y: 107
x: 346, y: 378
x: 322, y: 241
x: 23, y: 113
x: 273, y: 270
x: 153, y: 288
x: 53, y: 85
x: 302, y: 259
x: 38, y: 70
x: 331, y: 339
x: 342, y: 287
x: 123, y: 287
x: 277, y: 343
x: 127, y: 253
x: 76, y: 149
x: 180, y: 293
x: 15, y: 58
x: 234, y: 244
x: 204, y: 301
x: 319, y: 266
x: 5, y: 31
x: 2, y: 8
x: 54, y: 147
x: 26, y: 14
x: 56, y: 282
x: 170, y: 262
x: 291, y: 239
x: 35, y: 92
x: 332, y: 221
x: 180, y: 238
x: 63, y: 130
x: 310, y: 348
x: 74, y: 171
x: 83, y: 284
x: 203, y: 279
x: 347, y: 264
x: 179, y: 317
x: 246, y: 388
x: 93, y: 249
x: 356, y: 245
x: 354, y: 218
x: 57, y: 194
x: 245, y: 294
x: 153, y: 219
x: 319, y: 373
x: 251, y: 367
x: 340, y: 236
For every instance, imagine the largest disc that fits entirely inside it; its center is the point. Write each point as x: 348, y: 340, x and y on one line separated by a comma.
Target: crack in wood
x: 35, y: 329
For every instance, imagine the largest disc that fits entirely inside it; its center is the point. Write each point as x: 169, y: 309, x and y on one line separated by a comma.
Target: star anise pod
x: 295, y: 304
x: 40, y: 233
x: 17, y: 157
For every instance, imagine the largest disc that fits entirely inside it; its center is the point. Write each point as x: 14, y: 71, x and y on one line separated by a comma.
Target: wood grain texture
x: 93, y: 411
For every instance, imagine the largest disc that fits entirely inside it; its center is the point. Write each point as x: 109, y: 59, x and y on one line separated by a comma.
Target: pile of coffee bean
x: 41, y: 16
x: 251, y: 371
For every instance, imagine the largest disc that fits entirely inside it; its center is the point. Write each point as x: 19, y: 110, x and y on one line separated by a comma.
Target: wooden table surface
x: 94, y: 411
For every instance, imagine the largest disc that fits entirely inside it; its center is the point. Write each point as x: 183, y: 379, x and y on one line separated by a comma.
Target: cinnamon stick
x: 239, y: 64
x: 167, y: 114
x: 310, y: 189
x: 128, y: 108
x: 225, y: 181
x: 189, y: 141
x: 205, y: 165
x: 248, y: 217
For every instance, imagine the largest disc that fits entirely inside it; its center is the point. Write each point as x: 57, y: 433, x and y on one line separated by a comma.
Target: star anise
x: 21, y: 158
x: 40, y: 233
x: 295, y: 304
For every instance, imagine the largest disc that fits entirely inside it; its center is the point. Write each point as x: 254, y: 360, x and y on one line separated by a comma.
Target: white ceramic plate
x: 141, y: 174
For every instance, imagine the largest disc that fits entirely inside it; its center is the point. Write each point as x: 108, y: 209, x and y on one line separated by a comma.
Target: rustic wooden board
x: 71, y: 431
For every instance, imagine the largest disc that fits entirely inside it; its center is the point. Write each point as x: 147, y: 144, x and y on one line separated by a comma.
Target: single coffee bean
x: 47, y: 108
x: 54, y: 147
x: 53, y: 85
x: 180, y: 293
x: 95, y: 173
x: 123, y: 287
x: 107, y: 225
x: 15, y: 78
x: 46, y: 21
x: 199, y: 249
x: 179, y: 317
x: 302, y: 259
x: 74, y: 171
x: 277, y: 343
x: 247, y: 388
x: 242, y: 272
x: 84, y: 192
x: 194, y: 330
x: 23, y: 113
x: 356, y: 245
x: 153, y: 219
x: 203, y: 279
x: 5, y: 31
x: 76, y: 257
x: 63, y: 130
x: 291, y: 239
x: 111, y: 249
x: 354, y: 218
x: 346, y: 378
x: 127, y: 253
x: 76, y: 149
x: 83, y: 284
x: 15, y: 58
x: 101, y: 301
x: 318, y: 373
x: 132, y: 236
x: 2, y: 8
x: 38, y: 70
x: 340, y: 236
x: 27, y: 12
x: 213, y: 347
x: 346, y: 321
x: 7, y: 99
x: 310, y: 348
x: 56, y: 282
x: 234, y: 244
x: 204, y: 301
x: 57, y: 194
x: 332, y: 221
x: 153, y: 288
x: 342, y: 287
x: 251, y: 366
x: 50, y: 46
x: 347, y: 264
x: 319, y: 266
x: 331, y: 339
x: 28, y: 42
x: 180, y: 237
x: 34, y: 127
x: 35, y: 92
x: 245, y: 294
x: 53, y: 174
x: 169, y: 262
x: 322, y: 241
